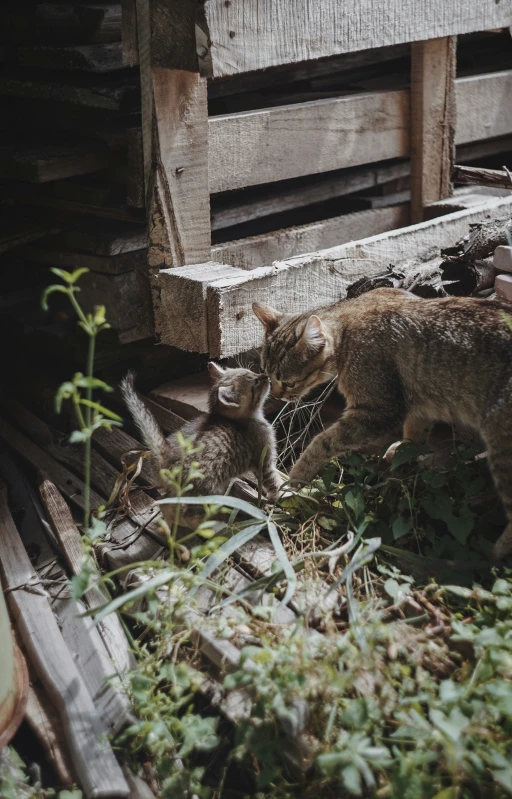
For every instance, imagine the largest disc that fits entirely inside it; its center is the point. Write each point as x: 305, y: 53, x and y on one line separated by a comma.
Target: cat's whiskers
x: 306, y: 414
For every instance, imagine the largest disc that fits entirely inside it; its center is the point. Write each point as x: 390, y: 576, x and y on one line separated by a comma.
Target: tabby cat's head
x: 237, y: 393
x: 296, y: 353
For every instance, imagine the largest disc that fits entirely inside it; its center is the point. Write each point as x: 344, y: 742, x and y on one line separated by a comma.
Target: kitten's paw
x: 390, y: 452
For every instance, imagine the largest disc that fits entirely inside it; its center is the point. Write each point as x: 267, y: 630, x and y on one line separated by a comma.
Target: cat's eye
x: 288, y: 385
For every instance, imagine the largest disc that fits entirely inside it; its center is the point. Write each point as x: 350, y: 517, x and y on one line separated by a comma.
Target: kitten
x: 233, y: 435
x: 399, y: 361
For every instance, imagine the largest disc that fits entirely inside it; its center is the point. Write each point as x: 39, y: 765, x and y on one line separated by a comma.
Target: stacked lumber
x: 335, y: 166
x: 71, y: 153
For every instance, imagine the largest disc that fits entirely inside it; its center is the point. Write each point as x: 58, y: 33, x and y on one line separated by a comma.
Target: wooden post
x: 175, y: 135
x: 432, y: 121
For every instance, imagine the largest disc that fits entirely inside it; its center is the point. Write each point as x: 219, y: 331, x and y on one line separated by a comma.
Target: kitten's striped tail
x: 152, y: 436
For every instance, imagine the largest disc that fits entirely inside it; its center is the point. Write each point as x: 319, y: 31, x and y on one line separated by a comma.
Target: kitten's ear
x: 228, y: 397
x: 268, y: 316
x: 215, y: 371
x: 313, y: 335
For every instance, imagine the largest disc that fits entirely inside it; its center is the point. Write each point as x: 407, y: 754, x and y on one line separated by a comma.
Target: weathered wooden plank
x: 67, y: 533
x: 228, y: 210
x: 126, y: 297
x: 107, y: 264
x: 99, y: 58
x: 19, y: 226
x: 248, y: 35
x: 179, y: 214
x: 58, y: 22
x: 254, y: 147
x: 48, y: 161
x: 129, y: 32
x: 96, y: 766
x: 257, y: 251
x: 185, y: 326
x: 477, y: 176
x: 263, y: 146
x: 119, y: 93
x: 432, y: 121
x: 484, y: 109
x: 101, y: 238
x: 304, y: 282
x: 45, y: 724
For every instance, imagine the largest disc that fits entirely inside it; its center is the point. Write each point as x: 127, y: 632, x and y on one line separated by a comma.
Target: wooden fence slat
x: 270, y: 144
x: 248, y: 35
x: 432, y: 122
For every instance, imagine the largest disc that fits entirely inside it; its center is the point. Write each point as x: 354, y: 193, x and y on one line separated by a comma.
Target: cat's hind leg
x: 497, y: 435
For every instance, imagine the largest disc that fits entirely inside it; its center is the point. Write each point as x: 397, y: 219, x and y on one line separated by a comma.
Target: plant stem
x: 88, y: 420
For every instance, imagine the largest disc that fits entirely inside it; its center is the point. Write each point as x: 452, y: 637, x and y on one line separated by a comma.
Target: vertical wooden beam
x: 432, y: 121
x: 175, y: 134
x: 174, y: 138
x: 129, y: 33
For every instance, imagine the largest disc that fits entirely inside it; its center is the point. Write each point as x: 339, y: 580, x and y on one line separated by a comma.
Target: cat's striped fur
x: 400, y: 362
x: 232, y: 437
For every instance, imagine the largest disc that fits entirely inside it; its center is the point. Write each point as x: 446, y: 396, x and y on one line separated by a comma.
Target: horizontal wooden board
x: 484, y: 107
x: 101, y: 238
x: 44, y: 162
x: 257, y: 251
x: 247, y: 35
x: 127, y: 300
x: 284, y: 142
x: 117, y: 93
x: 272, y: 144
x: 109, y: 264
x: 60, y: 22
x: 228, y: 210
x: 104, y: 57
x: 302, y: 283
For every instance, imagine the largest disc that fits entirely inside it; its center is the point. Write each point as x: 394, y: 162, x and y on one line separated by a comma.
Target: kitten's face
x: 237, y: 393
x: 296, y: 352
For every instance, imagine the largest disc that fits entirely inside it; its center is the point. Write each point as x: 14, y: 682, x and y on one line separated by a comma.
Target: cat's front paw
x: 390, y: 452
x: 302, y: 473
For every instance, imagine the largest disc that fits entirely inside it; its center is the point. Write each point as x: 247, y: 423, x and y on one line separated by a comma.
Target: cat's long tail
x: 152, y: 436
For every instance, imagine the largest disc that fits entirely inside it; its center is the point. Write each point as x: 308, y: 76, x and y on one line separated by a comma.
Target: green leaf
x: 452, y: 725
x: 79, y: 583
x: 408, y: 451
x: 51, y: 290
x: 217, y: 499
x: 401, y: 526
x: 227, y: 549
x: 79, y: 436
x: 70, y: 794
x: 69, y: 277
x: 140, y: 592
x: 283, y: 560
x: 460, y: 527
x: 90, y: 382
x: 396, y: 590
x: 65, y: 391
x: 101, y: 409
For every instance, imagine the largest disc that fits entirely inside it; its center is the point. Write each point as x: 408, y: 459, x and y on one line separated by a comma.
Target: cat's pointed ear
x: 268, y: 316
x: 228, y: 397
x: 313, y: 335
x: 215, y: 371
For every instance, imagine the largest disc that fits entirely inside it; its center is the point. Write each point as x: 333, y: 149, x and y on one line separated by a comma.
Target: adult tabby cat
x: 399, y: 361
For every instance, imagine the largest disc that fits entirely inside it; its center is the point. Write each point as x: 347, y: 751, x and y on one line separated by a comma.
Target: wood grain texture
x: 180, y: 181
x: 254, y: 34
x: 95, y: 764
x: 484, y: 109
x: 272, y: 144
x: 181, y: 311
x: 432, y: 122
x: 129, y: 33
x: 254, y: 147
x: 257, y: 251
x: 99, y: 58
x: 303, y: 282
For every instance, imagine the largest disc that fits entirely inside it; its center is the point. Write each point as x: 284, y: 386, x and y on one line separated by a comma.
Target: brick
x: 503, y: 258
x: 503, y: 286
